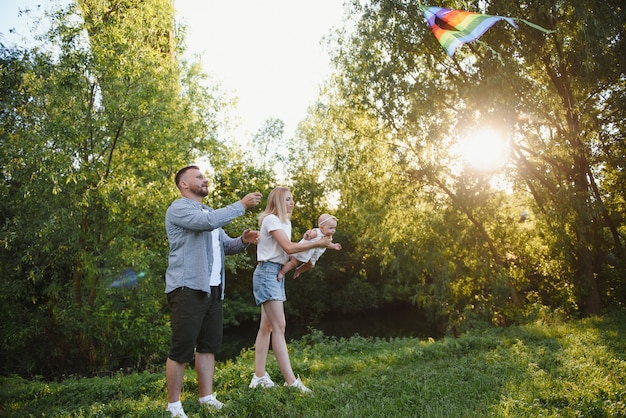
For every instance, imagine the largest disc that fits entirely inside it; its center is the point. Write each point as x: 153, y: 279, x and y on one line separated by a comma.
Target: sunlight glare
x: 485, y: 150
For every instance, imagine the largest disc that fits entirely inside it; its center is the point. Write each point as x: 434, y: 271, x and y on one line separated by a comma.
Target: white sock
x: 174, y: 405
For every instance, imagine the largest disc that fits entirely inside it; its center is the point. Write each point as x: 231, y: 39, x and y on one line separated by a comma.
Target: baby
x: 326, y: 225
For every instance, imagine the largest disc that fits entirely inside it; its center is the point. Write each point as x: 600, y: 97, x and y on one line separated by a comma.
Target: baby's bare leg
x: 302, y: 268
x: 287, y: 267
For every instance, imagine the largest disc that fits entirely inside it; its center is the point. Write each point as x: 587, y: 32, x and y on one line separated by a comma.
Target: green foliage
x: 238, y: 307
x: 99, y: 116
x: 428, y: 227
x: 547, y: 368
x: 91, y: 140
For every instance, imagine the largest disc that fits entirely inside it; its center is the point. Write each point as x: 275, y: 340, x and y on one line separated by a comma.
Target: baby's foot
x: 281, y: 274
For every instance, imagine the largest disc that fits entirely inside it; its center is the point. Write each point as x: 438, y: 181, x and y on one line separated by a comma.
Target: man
x: 195, y: 282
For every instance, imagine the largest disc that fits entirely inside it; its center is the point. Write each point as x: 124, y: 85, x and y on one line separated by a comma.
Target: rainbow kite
x: 453, y: 28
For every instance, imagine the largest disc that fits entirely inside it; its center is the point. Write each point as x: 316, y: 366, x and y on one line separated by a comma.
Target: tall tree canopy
x: 95, y: 121
x: 545, y: 226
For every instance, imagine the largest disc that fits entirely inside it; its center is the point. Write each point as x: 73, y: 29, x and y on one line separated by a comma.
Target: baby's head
x: 327, y: 224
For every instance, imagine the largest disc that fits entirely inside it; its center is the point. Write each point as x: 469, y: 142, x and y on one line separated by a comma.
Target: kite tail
x: 535, y: 26
x: 493, y: 51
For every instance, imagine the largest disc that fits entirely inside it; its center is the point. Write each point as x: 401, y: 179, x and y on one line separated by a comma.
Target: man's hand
x: 250, y: 237
x: 251, y: 200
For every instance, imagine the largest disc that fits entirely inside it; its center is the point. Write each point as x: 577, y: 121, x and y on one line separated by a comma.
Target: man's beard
x: 199, y: 191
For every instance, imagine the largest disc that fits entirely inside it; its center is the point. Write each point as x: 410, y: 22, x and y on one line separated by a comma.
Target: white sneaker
x: 212, y: 401
x: 299, y: 385
x: 177, y: 412
x: 264, y: 381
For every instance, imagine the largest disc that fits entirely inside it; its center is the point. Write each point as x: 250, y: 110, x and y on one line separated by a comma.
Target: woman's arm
x: 295, y: 247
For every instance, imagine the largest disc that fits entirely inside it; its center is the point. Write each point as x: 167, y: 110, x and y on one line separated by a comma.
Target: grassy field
x: 547, y: 369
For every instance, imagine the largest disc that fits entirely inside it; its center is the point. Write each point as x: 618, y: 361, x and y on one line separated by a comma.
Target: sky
x: 266, y: 53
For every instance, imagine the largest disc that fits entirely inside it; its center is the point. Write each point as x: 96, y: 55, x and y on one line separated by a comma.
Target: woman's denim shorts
x: 265, y: 284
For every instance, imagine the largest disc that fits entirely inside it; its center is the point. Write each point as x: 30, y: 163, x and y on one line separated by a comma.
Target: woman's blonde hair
x: 276, y: 205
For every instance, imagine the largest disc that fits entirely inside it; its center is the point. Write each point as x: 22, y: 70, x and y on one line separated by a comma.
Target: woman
x: 273, y: 251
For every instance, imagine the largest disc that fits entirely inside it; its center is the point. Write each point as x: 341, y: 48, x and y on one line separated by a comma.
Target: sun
x: 485, y: 149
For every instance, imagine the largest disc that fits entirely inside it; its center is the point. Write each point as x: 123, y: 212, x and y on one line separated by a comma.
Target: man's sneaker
x: 177, y: 412
x: 264, y: 381
x: 212, y: 401
x: 298, y: 385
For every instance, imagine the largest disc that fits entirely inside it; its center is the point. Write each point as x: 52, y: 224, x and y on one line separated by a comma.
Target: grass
x: 555, y: 369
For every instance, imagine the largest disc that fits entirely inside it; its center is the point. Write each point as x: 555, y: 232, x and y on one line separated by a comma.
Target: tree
x: 93, y: 130
x: 399, y: 96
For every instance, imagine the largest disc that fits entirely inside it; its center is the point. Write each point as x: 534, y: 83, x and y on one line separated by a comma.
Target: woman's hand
x: 325, y: 241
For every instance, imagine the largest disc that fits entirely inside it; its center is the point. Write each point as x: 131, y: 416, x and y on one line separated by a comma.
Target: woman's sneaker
x: 264, y: 382
x: 299, y: 385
